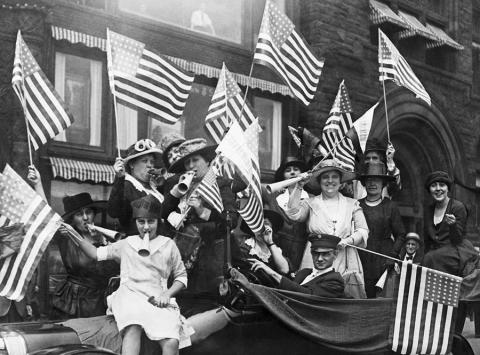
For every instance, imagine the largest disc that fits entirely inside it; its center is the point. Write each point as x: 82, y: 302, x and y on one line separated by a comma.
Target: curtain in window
x: 127, y: 126
x: 60, y: 85
x: 95, y: 102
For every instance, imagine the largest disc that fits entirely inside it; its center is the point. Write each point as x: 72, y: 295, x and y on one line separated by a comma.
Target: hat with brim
x: 189, y: 148
x: 323, y: 242
x: 438, y: 176
x: 168, y: 142
x: 413, y: 236
x: 142, y: 147
x: 375, y: 145
x: 73, y: 204
x: 375, y: 169
x: 326, y: 166
x: 274, y: 217
x: 289, y: 161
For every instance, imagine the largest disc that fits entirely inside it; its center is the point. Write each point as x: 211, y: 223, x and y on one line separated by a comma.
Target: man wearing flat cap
x: 323, y: 280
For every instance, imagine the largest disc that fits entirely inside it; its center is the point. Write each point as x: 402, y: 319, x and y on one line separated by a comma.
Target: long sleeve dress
x: 142, y: 277
x: 347, y: 220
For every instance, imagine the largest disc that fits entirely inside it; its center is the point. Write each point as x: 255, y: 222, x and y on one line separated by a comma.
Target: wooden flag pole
x: 246, y: 90
x: 116, y: 122
x: 112, y: 89
x: 317, y: 166
x: 374, y: 252
x: 386, y: 111
x: 29, y: 143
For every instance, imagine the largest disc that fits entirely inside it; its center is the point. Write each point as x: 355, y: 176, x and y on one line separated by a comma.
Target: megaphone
x: 113, y: 235
x: 281, y: 185
x: 183, y: 185
x: 144, y: 249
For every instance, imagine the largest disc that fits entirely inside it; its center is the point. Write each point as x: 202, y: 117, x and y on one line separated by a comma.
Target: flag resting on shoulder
x: 425, y: 308
x: 19, y: 203
x: 144, y: 79
x: 394, y: 67
x: 46, y: 112
x: 283, y: 50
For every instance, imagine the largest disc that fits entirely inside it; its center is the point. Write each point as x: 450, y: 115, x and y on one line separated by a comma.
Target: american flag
x: 283, y: 50
x: 226, y: 106
x: 394, y: 67
x: 20, y: 203
x: 46, y: 113
x: 146, y: 80
x: 334, y: 133
x: 209, y: 191
x: 426, y: 305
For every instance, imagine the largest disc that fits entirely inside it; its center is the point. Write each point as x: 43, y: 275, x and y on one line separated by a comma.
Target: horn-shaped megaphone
x: 183, y: 185
x: 113, y: 235
x: 281, y: 185
x: 144, y: 249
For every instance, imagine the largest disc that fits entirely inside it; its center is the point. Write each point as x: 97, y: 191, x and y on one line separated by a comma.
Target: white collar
x: 139, y: 186
x: 154, y: 245
x: 257, y: 249
x: 321, y: 272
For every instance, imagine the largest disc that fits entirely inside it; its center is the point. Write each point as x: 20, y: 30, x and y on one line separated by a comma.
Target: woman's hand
x: 119, y: 167
x: 195, y: 201
x: 163, y: 300
x: 450, y: 219
x: 300, y: 184
x: 344, y: 242
x: 258, y: 265
x: 268, y: 235
x: 33, y: 176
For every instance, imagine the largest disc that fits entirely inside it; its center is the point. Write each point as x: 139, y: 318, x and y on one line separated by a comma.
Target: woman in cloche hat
x: 334, y: 214
x: 133, y: 180
x: 383, y: 220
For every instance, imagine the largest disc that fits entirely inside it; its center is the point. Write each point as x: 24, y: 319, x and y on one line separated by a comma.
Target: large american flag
x: 225, y: 108
x: 46, y: 113
x: 426, y: 305
x: 393, y: 66
x: 143, y: 79
x: 20, y: 203
x: 209, y: 191
x: 334, y: 135
x: 283, y: 50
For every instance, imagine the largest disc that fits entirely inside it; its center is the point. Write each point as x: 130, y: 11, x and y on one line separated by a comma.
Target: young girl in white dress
x: 144, y: 277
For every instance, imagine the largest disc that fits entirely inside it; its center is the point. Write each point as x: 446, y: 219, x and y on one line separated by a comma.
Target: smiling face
x: 439, y: 191
x: 81, y: 218
x: 323, y: 258
x: 198, y: 164
x: 374, y: 187
x: 147, y: 225
x: 291, y: 172
x: 140, y: 166
x: 330, y: 183
x: 411, y: 246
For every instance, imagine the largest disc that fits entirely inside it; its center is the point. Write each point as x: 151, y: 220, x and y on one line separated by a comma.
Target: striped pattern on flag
x: 46, y: 113
x: 19, y: 203
x: 426, y: 305
x: 209, y: 191
x: 283, y: 50
x: 146, y: 80
x: 392, y: 66
x: 226, y: 107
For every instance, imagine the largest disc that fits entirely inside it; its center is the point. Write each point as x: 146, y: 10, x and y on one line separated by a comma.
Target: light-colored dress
x: 142, y: 277
x: 344, y: 221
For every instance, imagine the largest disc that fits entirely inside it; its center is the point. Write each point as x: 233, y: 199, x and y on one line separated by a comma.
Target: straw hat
x: 326, y: 166
x: 195, y: 146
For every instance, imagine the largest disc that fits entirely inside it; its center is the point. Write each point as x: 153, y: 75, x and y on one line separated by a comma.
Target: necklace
x: 333, y: 216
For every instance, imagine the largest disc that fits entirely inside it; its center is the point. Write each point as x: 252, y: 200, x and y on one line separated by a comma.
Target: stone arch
x: 424, y: 141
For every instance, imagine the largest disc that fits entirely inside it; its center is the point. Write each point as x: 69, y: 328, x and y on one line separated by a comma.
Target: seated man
x: 411, y: 251
x: 323, y: 280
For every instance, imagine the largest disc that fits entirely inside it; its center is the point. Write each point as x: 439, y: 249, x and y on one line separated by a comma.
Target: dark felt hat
x: 274, y: 217
x: 195, y: 146
x: 146, y: 207
x: 375, y: 145
x: 438, y: 176
x: 323, y: 241
x: 289, y: 161
x: 73, y: 204
x: 375, y: 169
x: 142, y: 147
x: 413, y: 236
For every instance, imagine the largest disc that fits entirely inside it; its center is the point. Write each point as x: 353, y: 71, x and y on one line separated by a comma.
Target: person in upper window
x: 446, y: 248
x: 292, y: 237
x: 133, y: 180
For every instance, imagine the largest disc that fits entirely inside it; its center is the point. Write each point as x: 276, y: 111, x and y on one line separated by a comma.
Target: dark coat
x: 330, y: 284
x: 417, y: 259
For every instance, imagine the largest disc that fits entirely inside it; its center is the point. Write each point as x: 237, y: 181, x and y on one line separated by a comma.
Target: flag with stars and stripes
x: 46, y: 112
x: 143, y: 79
x: 334, y: 136
x: 19, y: 203
x: 283, y: 50
x: 209, y: 191
x: 225, y: 108
x: 425, y: 309
x: 393, y: 66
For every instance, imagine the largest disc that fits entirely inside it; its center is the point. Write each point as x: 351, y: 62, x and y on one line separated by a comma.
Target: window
x: 78, y: 81
x: 217, y: 18
x: 270, y: 116
x: 96, y: 4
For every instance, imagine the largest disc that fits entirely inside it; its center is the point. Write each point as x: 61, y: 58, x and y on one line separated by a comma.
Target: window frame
x: 105, y: 151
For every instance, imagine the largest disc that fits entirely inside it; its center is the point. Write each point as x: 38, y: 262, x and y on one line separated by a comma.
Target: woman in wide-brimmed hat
x: 169, y: 147
x: 133, y: 180
x: 446, y: 248
x: 334, y: 214
x: 384, y: 222
x: 82, y: 293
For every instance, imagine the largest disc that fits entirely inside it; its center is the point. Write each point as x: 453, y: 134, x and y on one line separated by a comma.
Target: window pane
x: 219, y: 18
x: 270, y: 119
x: 79, y: 82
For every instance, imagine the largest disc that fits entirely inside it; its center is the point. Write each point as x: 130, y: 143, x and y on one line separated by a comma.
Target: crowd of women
x: 186, y: 234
